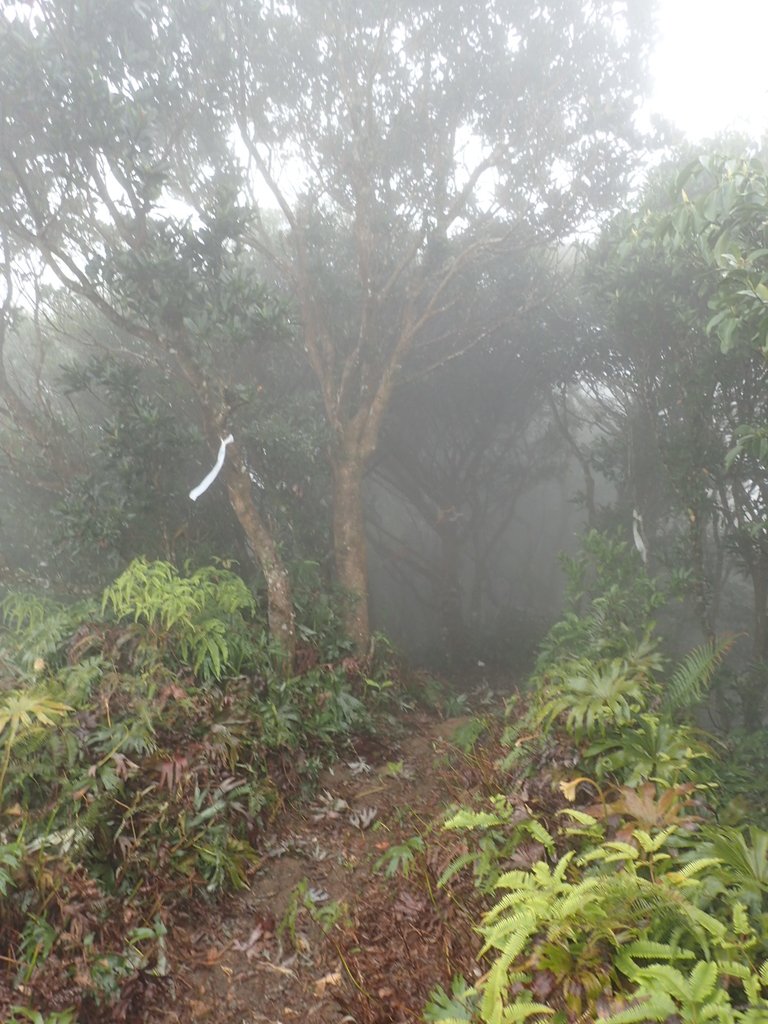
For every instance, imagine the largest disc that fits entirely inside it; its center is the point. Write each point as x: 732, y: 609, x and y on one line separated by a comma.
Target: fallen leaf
x: 364, y: 817
x: 410, y: 906
x: 327, y: 981
x: 263, y: 930
x: 568, y: 789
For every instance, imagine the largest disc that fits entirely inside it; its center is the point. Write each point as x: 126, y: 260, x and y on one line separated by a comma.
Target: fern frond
x: 733, y: 969
x: 496, y: 983
x: 702, y: 981
x: 522, y: 1011
x: 647, y: 949
x: 579, y: 816
x: 696, y: 866
x: 456, y: 865
x: 510, y: 935
x: 465, y: 819
x: 692, y: 676
x: 537, y: 831
x: 740, y: 918
x: 516, y: 880
x: 580, y: 897
x: 658, y: 1007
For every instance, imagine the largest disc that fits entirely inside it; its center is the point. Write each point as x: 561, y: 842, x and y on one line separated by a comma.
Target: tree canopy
x: 357, y: 157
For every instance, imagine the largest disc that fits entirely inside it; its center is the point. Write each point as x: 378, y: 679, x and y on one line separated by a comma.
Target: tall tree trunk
x: 759, y: 573
x: 753, y: 694
x: 350, y: 547
x: 264, y: 551
x: 259, y: 540
x: 702, y: 588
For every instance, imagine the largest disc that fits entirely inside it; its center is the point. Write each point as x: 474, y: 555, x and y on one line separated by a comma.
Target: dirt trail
x: 260, y: 956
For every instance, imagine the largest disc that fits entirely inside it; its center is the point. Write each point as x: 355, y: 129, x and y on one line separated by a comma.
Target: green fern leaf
x: 456, y: 865
x: 669, y: 979
x: 733, y: 969
x: 515, y: 880
x: 697, y: 866
x: 522, y: 1011
x: 740, y: 917
x: 646, y: 949
x: 702, y: 981
x: 510, y: 935
x: 692, y: 677
x: 579, y: 816
x: 658, y: 1007
x: 465, y: 819
x: 537, y: 831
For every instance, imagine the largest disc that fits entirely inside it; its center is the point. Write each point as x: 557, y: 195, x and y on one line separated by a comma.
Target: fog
x: 424, y: 285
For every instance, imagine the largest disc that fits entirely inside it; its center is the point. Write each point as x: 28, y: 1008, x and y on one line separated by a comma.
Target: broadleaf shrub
x: 143, y: 749
x: 641, y: 907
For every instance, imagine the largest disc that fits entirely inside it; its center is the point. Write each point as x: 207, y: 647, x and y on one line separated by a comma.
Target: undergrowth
x: 621, y: 879
x: 145, y: 743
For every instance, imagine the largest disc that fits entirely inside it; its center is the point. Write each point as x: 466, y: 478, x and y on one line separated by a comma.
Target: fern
x: 655, y: 1007
x: 606, y: 692
x: 501, y: 835
x: 466, y: 819
x: 197, y: 616
x: 647, y: 949
x: 11, y: 859
x: 454, y: 1008
x: 663, y: 992
x: 20, y: 712
x: 23, y: 611
x: 39, y: 627
x: 520, y: 1011
x: 741, y: 861
x: 693, y: 676
x: 543, y: 907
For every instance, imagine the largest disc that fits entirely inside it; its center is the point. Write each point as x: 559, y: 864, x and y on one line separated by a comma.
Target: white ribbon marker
x: 206, y: 483
x: 637, y: 533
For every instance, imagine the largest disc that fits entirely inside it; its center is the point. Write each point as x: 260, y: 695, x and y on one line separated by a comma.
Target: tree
x: 719, y: 222
x: 89, y: 141
x: 384, y: 132
x: 687, y: 398
x: 466, y: 437
x: 381, y: 132
x: 37, y: 459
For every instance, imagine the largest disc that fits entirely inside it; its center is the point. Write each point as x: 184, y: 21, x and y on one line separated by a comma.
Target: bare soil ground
x: 274, y: 952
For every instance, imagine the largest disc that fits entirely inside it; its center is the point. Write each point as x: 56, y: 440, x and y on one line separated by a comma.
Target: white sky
x: 711, y: 66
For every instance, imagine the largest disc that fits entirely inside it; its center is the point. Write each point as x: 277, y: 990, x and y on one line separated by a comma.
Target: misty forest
x: 383, y: 520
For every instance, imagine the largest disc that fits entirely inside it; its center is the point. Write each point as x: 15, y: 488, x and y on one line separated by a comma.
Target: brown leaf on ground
x: 332, y: 980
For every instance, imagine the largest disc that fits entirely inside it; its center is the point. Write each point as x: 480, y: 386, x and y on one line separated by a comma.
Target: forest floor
x: 321, y: 935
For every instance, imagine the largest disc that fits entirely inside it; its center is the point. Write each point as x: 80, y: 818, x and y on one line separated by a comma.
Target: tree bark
x: 263, y: 550
x: 702, y: 590
x: 753, y: 696
x: 259, y: 541
x: 350, y: 548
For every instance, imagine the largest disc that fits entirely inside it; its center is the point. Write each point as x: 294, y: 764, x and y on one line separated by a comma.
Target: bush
x: 142, y: 749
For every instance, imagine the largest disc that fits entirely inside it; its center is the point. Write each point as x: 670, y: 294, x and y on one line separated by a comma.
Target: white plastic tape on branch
x: 206, y: 483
